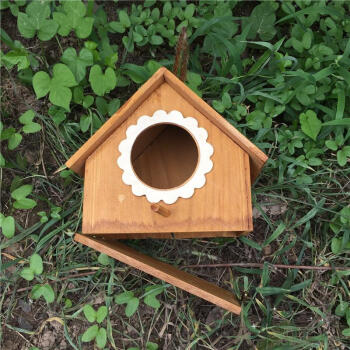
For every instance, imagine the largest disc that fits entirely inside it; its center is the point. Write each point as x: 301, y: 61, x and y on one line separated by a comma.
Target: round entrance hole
x: 164, y: 156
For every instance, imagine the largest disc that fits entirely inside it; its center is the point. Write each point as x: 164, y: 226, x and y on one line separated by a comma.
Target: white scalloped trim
x: 186, y: 190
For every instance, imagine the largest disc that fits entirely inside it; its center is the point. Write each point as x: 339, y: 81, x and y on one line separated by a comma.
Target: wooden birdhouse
x: 166, y: 165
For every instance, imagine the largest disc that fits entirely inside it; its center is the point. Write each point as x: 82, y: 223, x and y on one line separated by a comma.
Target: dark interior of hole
x: 164, y: 156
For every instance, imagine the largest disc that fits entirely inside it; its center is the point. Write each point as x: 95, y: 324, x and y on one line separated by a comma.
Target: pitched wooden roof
x: 77, y: 161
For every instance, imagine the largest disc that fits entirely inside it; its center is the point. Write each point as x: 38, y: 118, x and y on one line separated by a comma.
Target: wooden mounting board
x: 170, y: 235
x: 165, y: 272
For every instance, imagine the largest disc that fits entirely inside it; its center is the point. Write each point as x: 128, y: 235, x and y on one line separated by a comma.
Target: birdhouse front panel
x: 167, y: 152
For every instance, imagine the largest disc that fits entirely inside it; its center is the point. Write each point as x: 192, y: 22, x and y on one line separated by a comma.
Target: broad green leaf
x: 101, y: 338
x: 189, y: 11
x: 84, y: 28
x: 31, y: 128
x: 336, y: 245
x: 90, y: 313
x: 35, y: 20
x: 116, y: 27
x: 124, y: 18
x: 151, y: 346
x: 310, y: 124
x: 132, y: 306
x: 41, y: 84
x: 22, y: 192
x: 113, y: 106
x: 27, y: 273
x: 17, y: 57
x: 151, y: 301
x: 102, y: 83
x: 8, y: 226
x: 77, y: 64
x: 261, y: 21
x: 124, y: 297
x: 156, y: 40
x: 36, y: 264
x: 24, y: 203
x: 101, y: 314
x: 332, y: 145
x: 88, y: 101
x: 341, y: 308
x: 60, y: 96
x: 346, y: 332
x: 343, y: 155
x: 27, y: 117
x: 90, y: 334
x: 63, y: 76
x: 58, y: 86
x: 103, y: 259
x: 71, y: 16
x: 85, y: 122
x: 43, y: 290
x: 14, y: 141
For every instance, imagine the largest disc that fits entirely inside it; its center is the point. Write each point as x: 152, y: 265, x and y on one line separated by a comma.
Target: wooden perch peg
x: 160, y: 210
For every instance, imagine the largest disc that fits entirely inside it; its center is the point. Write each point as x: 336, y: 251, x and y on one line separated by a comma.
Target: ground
x: 302, y: 315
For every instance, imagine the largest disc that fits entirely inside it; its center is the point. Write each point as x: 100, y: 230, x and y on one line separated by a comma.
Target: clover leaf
x: 131, y: 302
x: 90, y: 334
x: 262, y: 20
x: 150, y: 295
x: 20, y: 195
x: 101, y: 338
x: 35, y: 21
x: 102, y: 83
x: 7, y: 225
x: 58, y: 86
x: 43, y: 290
x: 18, y: 56
x: 77, y: 64
x: 27, y: 120
x: 310, y: 124
x: 72, y: 17
x: 35, y: 268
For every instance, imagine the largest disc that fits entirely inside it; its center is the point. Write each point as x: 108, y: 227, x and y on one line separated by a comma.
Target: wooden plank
x: 78, y: 159
x: 168, y: 235
x: 165, y: 272
x: 223, y: 204
x: 257, y: 157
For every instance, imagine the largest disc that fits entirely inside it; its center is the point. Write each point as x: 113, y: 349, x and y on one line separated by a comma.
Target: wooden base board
x: 165, y: 272
x: 168, y: 235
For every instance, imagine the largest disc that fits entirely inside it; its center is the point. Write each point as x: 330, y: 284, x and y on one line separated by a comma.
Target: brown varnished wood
x: 78, y: 159
x: 169, y: 235
x: 223, y: 204
x: 168, y: 160
x: 257, y: 157
x: 163, y: 271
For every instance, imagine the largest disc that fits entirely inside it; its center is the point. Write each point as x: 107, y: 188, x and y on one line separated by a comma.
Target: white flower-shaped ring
x: 185, y: 190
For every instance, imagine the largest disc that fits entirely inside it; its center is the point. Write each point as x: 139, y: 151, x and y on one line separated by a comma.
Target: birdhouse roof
x: 256, y: 156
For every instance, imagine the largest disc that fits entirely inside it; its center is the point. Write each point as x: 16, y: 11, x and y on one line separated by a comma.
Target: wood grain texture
x: 165, y: 272
x: 168, y: 160
x: 257, y: 157
x: 169, y: 235
x: 78, y: 159
x: 223, y: 204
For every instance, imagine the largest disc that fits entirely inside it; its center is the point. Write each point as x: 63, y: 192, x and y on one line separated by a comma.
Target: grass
x: 298, y: 199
